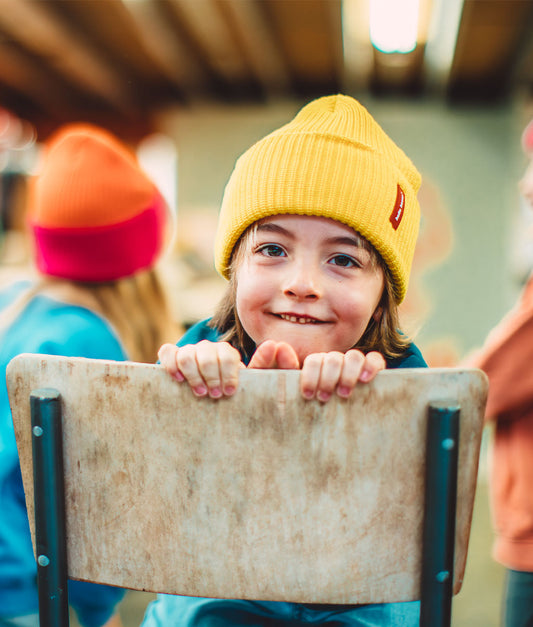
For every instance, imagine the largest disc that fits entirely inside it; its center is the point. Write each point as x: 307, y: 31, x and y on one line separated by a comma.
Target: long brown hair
x: 136, y: 308
x: 382, y: 334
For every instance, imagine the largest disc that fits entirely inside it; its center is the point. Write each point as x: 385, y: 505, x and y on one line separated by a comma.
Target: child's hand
x: 326, y: 373
x: 210, y: 368
x: 322, y: 373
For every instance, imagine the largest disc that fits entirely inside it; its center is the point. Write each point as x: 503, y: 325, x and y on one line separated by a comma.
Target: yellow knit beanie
x: 332, y: 160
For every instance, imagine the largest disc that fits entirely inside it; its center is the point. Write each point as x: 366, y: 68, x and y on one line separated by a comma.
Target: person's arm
x: 506, y: 358
x: 508, y: 367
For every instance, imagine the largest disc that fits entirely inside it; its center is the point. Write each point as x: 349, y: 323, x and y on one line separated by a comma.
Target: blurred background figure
x: 507, y: 357
x: 98, y: 225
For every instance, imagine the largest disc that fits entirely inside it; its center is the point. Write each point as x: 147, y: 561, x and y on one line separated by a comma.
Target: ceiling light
x: 394, y: 25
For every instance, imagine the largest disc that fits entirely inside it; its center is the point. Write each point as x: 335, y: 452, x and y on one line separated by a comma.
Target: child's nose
x: 303, y: 283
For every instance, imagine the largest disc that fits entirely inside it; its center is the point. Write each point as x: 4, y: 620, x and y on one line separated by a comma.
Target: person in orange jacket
x: 507, y: 357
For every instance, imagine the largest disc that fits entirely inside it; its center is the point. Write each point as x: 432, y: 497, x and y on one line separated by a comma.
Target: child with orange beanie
x: 98, y: 226
x: 316, y: 237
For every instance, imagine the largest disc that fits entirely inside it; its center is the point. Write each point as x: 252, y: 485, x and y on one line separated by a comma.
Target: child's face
x: 307, y: 281
x: 526, y: 184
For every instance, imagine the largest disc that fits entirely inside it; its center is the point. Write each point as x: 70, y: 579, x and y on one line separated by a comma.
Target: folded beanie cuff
x: 103, y: 253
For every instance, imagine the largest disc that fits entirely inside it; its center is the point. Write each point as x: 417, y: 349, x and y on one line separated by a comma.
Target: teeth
x: 298, y: 319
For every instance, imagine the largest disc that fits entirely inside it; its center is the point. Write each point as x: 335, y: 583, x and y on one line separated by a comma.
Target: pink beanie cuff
x: 103, y: 253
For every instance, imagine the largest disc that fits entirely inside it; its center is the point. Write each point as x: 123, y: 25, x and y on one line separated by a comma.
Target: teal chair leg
x: 49, y: 500
x: 438, y: 547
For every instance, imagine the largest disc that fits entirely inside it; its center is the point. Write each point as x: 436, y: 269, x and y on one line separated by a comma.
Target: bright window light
x: 394, y: 25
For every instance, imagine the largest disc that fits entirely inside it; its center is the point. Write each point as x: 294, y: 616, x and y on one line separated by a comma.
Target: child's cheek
x: 248, y: 313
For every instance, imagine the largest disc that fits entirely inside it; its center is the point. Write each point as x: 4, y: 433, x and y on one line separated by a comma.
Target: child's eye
x: 345, y: 261
x: 271, y: 250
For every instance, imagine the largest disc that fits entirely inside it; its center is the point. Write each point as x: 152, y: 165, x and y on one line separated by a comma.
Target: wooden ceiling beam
x: 487, y: 42
x: 309, y: 33
x: 214, y: 38
x: 109, y: 28
x: 201, y: 27
x: 257, y: 46
x: 34, y: 28
x: 523, y: 76
x: 168, y: 48
x: 25, y: 76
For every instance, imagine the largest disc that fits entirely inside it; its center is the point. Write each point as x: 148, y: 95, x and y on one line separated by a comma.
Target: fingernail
x: 307, y: 393
x: 215, y: 393
x: 323, y: 396
x: 343, y: 391
x: 364, y: 376
x: 200, y: 390
x: 229, y: 390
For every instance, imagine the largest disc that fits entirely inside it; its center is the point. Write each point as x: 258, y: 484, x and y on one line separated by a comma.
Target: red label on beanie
x: 399, y: 206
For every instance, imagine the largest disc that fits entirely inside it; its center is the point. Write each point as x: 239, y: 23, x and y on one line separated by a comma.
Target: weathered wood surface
x: 264, y: 495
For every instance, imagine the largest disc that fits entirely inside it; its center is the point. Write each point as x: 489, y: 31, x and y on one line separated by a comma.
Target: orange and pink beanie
x: 94, y: 213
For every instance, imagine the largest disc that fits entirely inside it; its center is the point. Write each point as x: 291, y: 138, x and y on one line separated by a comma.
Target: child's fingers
x: 264, y: 356
x: 188, y: 365
x: 271, y: 354
x: 326, y: 373
x: 326, y: 379
x: 208, y: 365
x: 374, y: 362
x: 353, y: 366
x: 229, y: 362
x: 167, y: 356
x: 286, y: 357
x: 211, y: 368
x: 311, y: 375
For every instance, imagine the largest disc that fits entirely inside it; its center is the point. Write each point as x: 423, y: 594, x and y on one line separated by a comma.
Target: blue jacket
x: 45, y: 326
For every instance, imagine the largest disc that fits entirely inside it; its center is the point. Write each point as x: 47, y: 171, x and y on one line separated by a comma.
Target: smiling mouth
x: 299, y: 319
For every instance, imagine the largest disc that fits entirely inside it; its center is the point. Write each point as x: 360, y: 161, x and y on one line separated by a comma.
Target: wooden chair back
x: 263, y: 495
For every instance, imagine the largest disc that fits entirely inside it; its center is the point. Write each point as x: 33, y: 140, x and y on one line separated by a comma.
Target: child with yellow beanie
x: 97, y: 224
x: 316, y: 236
